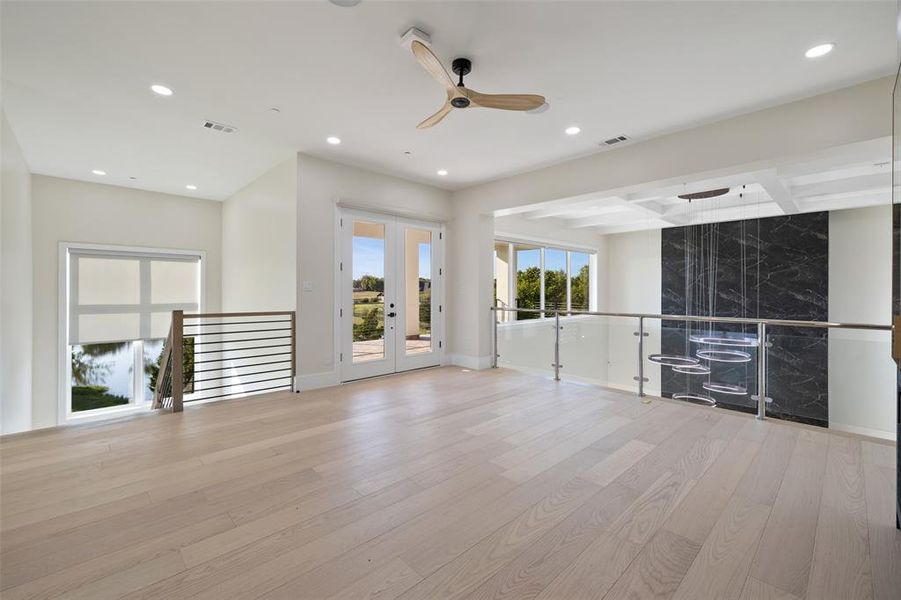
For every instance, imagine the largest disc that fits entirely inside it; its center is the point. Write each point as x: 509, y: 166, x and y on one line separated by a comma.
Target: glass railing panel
x: 597, y: 350
x: 526, y: 345
x: 840, y: 378
x: 703, y: 363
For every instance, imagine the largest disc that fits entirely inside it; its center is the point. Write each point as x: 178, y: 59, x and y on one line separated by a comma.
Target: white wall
x: 633, y: 285
x: 321, y: 185
x: 75, y: 211
x: 259, y: 243
x: 15, y: 285
x: 470, y: 268
x: 861, y: 370
x: 854, y: 114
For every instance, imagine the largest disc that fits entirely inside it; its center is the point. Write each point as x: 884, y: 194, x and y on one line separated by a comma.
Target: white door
x: 391, y: 312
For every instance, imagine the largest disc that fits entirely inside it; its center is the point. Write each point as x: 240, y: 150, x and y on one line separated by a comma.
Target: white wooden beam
x: 776, y: 190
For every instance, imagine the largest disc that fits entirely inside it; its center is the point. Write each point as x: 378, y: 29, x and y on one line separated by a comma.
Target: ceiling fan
x: 459, y: 96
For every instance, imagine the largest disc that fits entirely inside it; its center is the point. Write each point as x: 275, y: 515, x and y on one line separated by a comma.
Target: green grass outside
x: 89, y: 397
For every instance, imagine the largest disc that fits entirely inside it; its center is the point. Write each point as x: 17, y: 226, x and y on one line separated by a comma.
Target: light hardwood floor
x: 448, y: 483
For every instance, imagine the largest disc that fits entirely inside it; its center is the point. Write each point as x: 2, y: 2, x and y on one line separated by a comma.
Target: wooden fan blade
x: 431, y: 64
x: 436, y: 118
x: 506, y: 101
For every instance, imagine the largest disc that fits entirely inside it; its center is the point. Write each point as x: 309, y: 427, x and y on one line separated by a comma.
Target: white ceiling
x: 853, y: 176
x: 76, y: 76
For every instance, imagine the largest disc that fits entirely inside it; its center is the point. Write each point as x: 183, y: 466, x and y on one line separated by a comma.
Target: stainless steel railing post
x: 556, y: 345
x: 494, y: 352
x: 761, y: 370
x: 640, y: 356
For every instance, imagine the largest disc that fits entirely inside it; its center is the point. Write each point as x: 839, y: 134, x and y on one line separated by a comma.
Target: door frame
x: 438, y: 326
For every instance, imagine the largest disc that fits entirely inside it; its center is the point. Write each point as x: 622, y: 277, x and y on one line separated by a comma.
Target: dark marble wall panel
x: 774, y: 268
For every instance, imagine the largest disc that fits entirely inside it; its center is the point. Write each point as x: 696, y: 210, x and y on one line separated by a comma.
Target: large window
x: 542, y: 278
x: 119, y: 308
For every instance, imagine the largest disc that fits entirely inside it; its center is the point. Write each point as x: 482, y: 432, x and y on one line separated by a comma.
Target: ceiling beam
x: 860, y: 183
x: 776, y: 190
x: 648, y: 209
x: 561, y: 210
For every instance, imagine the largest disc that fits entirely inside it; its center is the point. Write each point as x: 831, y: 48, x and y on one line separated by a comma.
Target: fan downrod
x: 461, y: 66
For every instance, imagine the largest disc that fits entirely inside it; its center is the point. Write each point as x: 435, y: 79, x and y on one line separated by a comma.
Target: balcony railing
x: 226, y: 355
x: 736, y: 347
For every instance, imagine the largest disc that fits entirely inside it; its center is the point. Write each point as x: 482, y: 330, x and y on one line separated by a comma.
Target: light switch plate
x: 308, y: 286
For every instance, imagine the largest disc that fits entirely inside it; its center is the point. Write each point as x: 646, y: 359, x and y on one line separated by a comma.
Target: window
x: 542, y: 278
x: 527, y: 293
x: 119, y: 310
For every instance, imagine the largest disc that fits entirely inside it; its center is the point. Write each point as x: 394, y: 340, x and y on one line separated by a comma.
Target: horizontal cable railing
x: 225, y: 355
x: 759, y: 341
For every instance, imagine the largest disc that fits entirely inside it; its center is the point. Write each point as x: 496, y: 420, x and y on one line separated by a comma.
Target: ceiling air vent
x: 615, y: 140
x: 220, y: 127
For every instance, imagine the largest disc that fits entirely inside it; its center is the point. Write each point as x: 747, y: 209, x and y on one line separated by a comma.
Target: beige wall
x: 321, y: 185
x: 259, y: 243
x: 74, y: 211
x: 15, y: 285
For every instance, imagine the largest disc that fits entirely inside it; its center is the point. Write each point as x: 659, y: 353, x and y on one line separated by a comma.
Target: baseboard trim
x: 865, y: 431
x: 314, y: 381
x: 476, y: 363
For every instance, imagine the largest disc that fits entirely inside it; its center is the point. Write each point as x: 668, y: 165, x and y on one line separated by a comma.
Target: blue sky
x: 369, y: 258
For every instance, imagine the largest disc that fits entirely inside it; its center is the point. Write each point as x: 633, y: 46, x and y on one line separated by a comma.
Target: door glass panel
x: 528, y: 280
x: 418, y: 291
x: 554, y: 281
x: 368, y: 291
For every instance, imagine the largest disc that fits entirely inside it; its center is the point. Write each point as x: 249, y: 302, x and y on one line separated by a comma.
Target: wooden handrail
x: 273, y: 313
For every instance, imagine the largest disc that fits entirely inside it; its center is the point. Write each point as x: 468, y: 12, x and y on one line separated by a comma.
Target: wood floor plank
x: 459, y: 577
x: 884, y: 537
x: 500, y: 486
x: 594, y: 572
x: 723, y: 562
x: 758, y: 590
x: 385, y: 583
x: 786, y: 548
x: 657, y: 570
x: 533, y: 570
x: 841, y: 558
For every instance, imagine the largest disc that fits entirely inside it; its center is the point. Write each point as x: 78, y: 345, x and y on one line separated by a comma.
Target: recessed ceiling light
x: 191, y: 186
x: 98, y: 172
x: 345, y: 3
x: 442, y: 172
x: 334, y: 141
x: 819, y: 50
x: 572, y: 130
x: 161, y: 90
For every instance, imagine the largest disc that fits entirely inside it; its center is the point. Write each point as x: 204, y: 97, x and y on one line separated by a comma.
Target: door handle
x: 391, y: 314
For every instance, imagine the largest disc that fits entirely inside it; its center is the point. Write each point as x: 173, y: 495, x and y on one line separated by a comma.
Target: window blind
x: 117, y: 297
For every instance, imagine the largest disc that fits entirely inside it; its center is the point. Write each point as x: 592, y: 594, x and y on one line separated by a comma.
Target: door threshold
x: 384, y: 375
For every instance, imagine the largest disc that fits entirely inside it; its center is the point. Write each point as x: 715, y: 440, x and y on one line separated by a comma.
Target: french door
x: 391, y: 313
